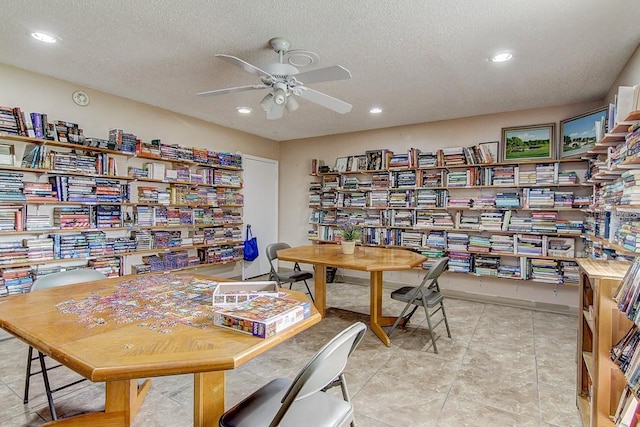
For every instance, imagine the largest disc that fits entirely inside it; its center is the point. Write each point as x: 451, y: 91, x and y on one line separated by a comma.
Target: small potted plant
x: 350, y: 233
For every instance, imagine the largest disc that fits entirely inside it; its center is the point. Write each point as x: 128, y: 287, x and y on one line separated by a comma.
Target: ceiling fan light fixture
x: 267, y: 102
x: 292, y: 104
x: 279, y: 96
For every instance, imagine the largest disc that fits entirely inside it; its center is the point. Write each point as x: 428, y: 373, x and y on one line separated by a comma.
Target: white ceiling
x: 421, y: 61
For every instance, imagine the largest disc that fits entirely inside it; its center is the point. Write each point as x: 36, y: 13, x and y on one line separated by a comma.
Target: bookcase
x: 600, y: 326
x: 611, y: 223
x: 502, y: 219
x: 119, y: 206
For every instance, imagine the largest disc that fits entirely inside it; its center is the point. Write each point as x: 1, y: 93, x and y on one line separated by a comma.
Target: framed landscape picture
x: 528, y: 143
x: 578, y: 134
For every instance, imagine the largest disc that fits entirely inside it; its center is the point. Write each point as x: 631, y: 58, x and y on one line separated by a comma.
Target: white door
x: 260, y: 209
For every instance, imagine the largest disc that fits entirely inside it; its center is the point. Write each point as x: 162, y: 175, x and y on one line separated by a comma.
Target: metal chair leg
x: 433, y: 338
x: 446, y: 322
x: 309, y: 291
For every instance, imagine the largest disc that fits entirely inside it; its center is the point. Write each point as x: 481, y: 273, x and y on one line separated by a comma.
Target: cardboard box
x: 233, y: 293
x: 262, y: 317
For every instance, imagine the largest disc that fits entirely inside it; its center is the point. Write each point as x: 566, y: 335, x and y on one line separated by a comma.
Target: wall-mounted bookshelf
x: 122, y: 208
x: 502, y: 219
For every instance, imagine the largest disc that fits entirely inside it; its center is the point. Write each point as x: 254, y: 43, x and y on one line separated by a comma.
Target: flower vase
x: 348, y: 246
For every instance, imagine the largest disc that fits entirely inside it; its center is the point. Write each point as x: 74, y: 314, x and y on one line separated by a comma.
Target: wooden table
x: 372, y: 259
x: 120, y: 353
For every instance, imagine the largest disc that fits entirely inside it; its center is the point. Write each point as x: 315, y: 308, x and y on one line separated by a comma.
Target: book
x: 264, y: 316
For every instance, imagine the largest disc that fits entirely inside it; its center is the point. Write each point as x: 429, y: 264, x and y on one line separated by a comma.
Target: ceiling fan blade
x: 231, y: 90
x: 327, y: 74
x: 275, y: 112
x: 245, y: 65
x: 325, y: 100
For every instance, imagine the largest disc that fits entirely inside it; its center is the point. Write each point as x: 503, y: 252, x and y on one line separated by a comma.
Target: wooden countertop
x: 604, y: 269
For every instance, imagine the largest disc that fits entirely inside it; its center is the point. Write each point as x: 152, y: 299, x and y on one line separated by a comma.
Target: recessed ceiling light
x: 375, y: 110
x: 244, y: 110
x: 501, y: 57
x: 43, y: 37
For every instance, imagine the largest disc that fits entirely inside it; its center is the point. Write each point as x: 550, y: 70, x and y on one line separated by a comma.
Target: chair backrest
x: 273, y: 248
x: 324, y: 367
x: 436, y: 270
x: 272, y: 254
x: 433, y: 274
x: 63, y: 278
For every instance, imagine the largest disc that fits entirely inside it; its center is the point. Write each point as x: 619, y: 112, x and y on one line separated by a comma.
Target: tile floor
x: 504, y: 366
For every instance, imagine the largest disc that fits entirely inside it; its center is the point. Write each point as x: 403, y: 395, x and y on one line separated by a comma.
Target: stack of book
x: 12, y: 253
x: 545, y: 270
x: 39, y: 192
x: 508, y: 200
x: 457, y: 241
x: 502, y: 243
x: 432, y: 178
x: 479, y: 244
x: 39, y: 249
x: 459, y: 262
x: 11, y: 186
x: 486, y: 265
x: 67, y: 246
x: 72, y: 217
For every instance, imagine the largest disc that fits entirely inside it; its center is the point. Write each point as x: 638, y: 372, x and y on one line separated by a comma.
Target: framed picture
x: 374, y: 160
x: 349, y: 164
x: 362, y: 163
x: 493, y: 148
x: 578, y: 134
x: 528, y: 143
x: 341, y: 164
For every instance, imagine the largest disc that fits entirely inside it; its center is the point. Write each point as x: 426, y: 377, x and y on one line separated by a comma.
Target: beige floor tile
x: 400, y: 403
x: 557, y: 405
x: 517, y: 393
x: 461, y: 412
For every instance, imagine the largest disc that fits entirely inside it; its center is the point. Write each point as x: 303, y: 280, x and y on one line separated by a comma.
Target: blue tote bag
x: 250, y: 246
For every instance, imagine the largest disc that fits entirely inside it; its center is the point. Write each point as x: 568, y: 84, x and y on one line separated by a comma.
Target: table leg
x: 122, y: 402
x: 208, y: 398
x: 377, y: 320
x: 320, y: 287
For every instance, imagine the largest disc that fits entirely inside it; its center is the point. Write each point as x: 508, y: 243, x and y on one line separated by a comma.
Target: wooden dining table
x: 123, y: 329
x: 365, y: 258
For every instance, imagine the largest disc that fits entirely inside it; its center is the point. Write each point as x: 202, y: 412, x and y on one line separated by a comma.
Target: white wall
x: 629, y: 76
x: 35, y: 92
x: 296, y: 156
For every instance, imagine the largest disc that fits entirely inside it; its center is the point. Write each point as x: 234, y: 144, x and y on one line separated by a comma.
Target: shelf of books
x: 119, y: 205
x: 601, y: 325
x: 611, y: 222
x: 625, y: 350
x: 507, y: 220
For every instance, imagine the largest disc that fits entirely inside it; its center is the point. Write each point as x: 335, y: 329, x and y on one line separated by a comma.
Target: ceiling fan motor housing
x: 280, y: 71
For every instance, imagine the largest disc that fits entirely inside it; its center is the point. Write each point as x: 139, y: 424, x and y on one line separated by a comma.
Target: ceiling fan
x: 284, y: 80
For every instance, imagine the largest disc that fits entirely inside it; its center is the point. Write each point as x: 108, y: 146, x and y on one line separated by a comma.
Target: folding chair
x: 291, y: 277
x: 303, y: 401
x: 50, y: 281
x: 425, y: 295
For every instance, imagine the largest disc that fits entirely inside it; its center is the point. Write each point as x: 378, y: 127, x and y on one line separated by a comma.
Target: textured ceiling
x: 421, y: 61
